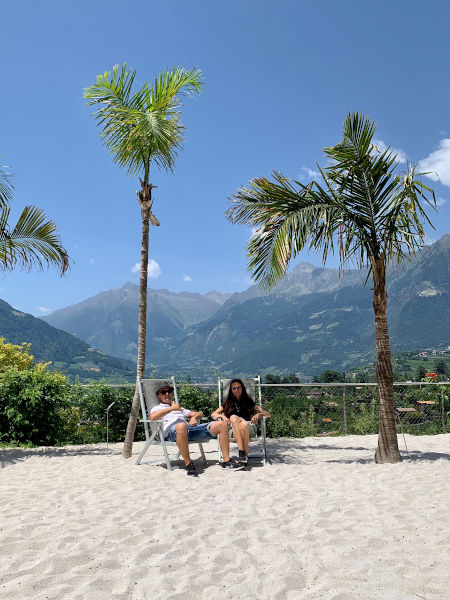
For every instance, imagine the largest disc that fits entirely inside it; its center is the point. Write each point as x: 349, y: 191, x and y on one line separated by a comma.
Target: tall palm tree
x: 141, y: 128
x: 33, y: 240
x: 373, y: 216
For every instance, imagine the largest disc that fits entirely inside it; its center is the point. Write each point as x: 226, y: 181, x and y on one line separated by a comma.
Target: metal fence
x: 303, y: 409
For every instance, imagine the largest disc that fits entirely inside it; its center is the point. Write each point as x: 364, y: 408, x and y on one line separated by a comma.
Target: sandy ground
x: 322, y: 521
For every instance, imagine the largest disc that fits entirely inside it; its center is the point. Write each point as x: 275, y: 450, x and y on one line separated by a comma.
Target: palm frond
x: 284, y: 219
x: 6, y: 187
x: 145, y: 126
x: 361, y: 204
x: 34, y: 241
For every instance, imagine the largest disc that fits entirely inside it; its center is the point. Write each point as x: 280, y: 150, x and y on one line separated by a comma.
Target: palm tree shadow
x: 294, y: 452
x: 416, y: 456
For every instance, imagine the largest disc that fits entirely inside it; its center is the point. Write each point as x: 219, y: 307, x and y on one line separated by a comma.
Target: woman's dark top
x: 244, y: 409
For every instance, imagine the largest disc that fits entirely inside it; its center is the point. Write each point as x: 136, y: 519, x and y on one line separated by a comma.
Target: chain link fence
x: 297, y: 409
x: 333, y: 409
x: 300, y: 410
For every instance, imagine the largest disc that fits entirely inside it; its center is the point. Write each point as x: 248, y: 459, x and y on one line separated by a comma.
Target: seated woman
x: 241, y: 412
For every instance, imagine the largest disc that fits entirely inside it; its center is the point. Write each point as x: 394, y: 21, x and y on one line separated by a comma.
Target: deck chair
x: 253, y: 387
x: 153, y: 429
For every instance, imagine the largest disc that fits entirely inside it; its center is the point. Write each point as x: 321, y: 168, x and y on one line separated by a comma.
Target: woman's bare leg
x: 245, y: 435
x: 237, y: 432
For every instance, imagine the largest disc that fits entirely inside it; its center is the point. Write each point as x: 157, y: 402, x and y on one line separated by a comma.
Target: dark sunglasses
x: 163, y: 392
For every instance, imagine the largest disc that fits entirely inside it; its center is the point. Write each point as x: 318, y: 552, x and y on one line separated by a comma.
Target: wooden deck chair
x: 253, y: 387
x: 153, y: 429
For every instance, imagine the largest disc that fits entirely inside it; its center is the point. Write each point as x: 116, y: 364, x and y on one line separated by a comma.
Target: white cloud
x: 186, y: 277
x: 438, y: 162
x: 401, y: 154
x: 154, y: 270
x: 44, y: 310
x: 310, y: 173
x: 440, y: 202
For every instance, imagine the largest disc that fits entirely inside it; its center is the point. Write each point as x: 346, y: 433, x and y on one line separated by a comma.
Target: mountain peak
x: 217, y: 297
x: 305, y: 267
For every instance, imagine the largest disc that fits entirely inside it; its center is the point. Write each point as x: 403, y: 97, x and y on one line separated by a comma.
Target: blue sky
x: 279, y: 79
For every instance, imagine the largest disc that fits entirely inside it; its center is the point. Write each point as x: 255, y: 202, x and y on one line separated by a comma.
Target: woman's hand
x: 255, y: 418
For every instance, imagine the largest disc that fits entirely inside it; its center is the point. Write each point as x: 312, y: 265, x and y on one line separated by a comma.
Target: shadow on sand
x: 289, y: 452
x: 10, y: 456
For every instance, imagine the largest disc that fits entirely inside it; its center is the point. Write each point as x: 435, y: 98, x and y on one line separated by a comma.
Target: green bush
x: 31, y: 401
x: 38, y: 407
x: 362, y: 419
x: 291, y: 417
x: 196, y: 399
x: 86, y: 421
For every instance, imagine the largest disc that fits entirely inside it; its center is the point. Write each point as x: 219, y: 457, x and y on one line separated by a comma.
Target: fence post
x: 344, y: 410
x: 443, y: 415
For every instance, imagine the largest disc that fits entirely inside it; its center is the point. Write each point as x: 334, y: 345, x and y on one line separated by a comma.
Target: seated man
x: 177, y: 429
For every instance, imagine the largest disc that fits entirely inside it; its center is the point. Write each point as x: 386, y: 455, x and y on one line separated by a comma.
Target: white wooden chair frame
x: 253, y: 387
x: 153, y: 429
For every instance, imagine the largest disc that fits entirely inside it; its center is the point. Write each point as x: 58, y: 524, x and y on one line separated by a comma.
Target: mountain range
x: 66, y: 352
x: 311, y: 321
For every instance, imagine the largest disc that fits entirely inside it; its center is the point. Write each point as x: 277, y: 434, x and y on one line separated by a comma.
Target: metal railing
x: 301, y: 409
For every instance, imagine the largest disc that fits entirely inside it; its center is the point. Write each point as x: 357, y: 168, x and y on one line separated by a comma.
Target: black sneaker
x: 191, y: 470
x: 241, y: 460
x: 231, y: 466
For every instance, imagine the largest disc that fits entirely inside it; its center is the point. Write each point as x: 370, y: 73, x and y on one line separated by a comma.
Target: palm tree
x: 140, y: 128
x: 373, y: 216
x: 33, y: 240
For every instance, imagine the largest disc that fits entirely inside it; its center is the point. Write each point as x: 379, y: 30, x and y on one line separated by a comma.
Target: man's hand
x: 175, y: 407
x: 193, y: 421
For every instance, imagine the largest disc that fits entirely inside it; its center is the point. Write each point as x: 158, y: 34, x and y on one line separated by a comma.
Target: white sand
x: 321, y: 522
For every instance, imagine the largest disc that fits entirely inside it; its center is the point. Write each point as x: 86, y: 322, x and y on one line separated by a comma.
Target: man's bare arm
x: 159, y: 414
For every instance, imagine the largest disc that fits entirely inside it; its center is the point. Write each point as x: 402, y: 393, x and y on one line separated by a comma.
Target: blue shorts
x: 197, y: 433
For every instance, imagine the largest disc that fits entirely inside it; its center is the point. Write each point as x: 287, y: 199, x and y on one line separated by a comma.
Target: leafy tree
x: 290, y: 378
x: 141, y: 128
x: 270, y: 378
x: 441, y: 367
x: 330, y: 377
x: 420, y: 373
x: 16, y: 356
x: 361, y: 206
x: 33, y: 240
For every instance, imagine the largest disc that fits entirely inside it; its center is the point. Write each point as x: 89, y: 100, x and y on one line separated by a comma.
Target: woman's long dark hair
x: 229, y: 406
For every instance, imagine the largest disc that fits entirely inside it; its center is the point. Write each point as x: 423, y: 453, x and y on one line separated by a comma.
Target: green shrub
x: 89, y: 403
x: 31, y: 401
x: 362, y: 419
x: 196, y: 399
x: 291, y: 417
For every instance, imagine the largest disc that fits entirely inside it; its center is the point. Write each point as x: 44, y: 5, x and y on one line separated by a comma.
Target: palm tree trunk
x: 387, y: 450
x: 145, y: 202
